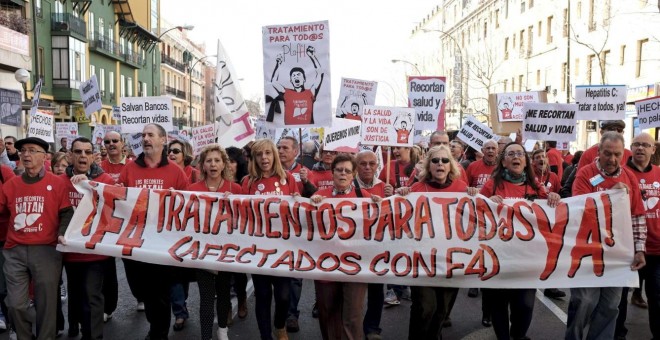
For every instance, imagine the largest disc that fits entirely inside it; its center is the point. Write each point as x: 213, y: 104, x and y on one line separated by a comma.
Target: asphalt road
x: 548, y: 322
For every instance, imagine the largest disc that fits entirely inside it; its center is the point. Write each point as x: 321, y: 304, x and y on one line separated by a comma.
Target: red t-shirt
x: 403, y: 179
x: 74, y: 198
x: 582, y: 185
x: 227, y: 186
x: 298, y: 107
x: 322, y: 179
x: 192, y: 174
x: 590, y: 154
x: 327, y: 192
x: 649, y: 186
x: 550, y: 181
x: 352, y: 116
x: 7, y: 174
x: 568, y: 158
x: 402, y: 136
x: 34, y: 210
x: 456, y: 186
x: 163, y: 177
x: 555, y: 159
x: 378, y: 189
x: 510, y: 190
x: 270, y: 186
x: 478, y: 173
x: 113, y: 170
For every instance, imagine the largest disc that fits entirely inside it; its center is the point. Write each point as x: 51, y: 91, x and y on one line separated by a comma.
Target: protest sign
x: 135, y: 141
x: 474, y: 133
x: 116, y: 113
x: 66, y: 130
x: 600, y: 102
x: 297, y: 74
x: 509, y: 105
x: 279, y: 133
x: 233, y: 125
x: 343, y: 136
x: 202, y: 136
x: 554, y: 122
x: 422, y: 239
x: 41, y: 125
x: 648, y: 112
x: 35, y: 97
x: 263, y: 131
x: 354, y: 94
x: 427, y: 96
x: 10, y: 107
x: 90, y: 96
x: 136, y: 112
x: 387, y: 126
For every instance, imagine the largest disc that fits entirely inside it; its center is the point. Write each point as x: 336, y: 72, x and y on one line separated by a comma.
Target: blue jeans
x: 294, y: 299
x: 652, y: 271
x: 375, y: 297
x: 593, y: 307
x: 179, y: 295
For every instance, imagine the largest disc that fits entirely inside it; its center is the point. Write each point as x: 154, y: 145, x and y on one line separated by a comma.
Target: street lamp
x: 394, y: 61
x: 190, y: 119
x: 22, y: 76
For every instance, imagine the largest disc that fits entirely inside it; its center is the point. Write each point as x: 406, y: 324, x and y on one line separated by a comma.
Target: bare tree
x: 482, y: 69
x: 598, y: 48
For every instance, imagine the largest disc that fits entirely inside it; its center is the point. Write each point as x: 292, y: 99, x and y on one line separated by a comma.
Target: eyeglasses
x: 515, y: 154
x: 114, y: 141
x: 30, y: 151
x: 437, y: 160
x: 80, y: 152
x: 174, y: 151
x: 343, y: 171
x: 644, y: 145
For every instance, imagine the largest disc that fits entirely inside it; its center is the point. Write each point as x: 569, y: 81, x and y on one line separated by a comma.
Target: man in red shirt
x: 321, y: 175
x: 591, y: 153
x: 39, y: 215
x: 597, y: 308
x: 478, y: 172
x: 287, y: 148
x: 116, y: 160
x: 648, y: 180
x: 153, y: 170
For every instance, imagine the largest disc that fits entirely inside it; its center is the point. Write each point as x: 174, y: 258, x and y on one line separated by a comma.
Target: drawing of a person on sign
x: 298, y: 100
x: 355, y: 109
x: 403, y: 128
x: 505, y: 105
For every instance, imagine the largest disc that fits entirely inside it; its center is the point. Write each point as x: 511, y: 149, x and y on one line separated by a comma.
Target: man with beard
x: 116, y: 160
x: 153, y: 170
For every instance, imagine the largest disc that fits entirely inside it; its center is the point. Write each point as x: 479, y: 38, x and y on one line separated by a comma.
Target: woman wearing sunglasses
x: 341, y: 304
x: 431, y: 305
x: 513, y: 177
x: 180, y: 152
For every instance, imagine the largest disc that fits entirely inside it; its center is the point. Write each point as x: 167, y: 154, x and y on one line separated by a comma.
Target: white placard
x: 41, y: 125
x: 202, y: 136
x: 36, y: 97
x: 135, y: 141
x: 427, y: 96
x: 116, y: 113
x: 343, y: 136
x: 554, y: 122
x: 263, y: 131
x: 509, y: 105
x: 600, y: 102
x: 136, y: 112
x: 474, y: 133
x: 354, y: 94
x: 90, y: 96
x: 648, y: 112
x: 388, y: 126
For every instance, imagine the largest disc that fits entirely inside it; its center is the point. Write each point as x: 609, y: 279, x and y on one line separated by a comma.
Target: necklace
x: 215, y: 188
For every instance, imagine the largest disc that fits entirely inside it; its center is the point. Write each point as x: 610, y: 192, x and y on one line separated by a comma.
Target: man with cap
x: 39, y: 215
x: 591, y: 153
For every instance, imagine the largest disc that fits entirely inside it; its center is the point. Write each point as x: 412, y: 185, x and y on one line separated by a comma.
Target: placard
x: 553, y: 122
x: 136, y: 112
x: 427, y: 96
x: 90, y: 96
x: 41, y: 125
x: 509, y: 105
x: 202, y: 136
x: 354, y: 94
x: 343, y: 136
x: 135, y: 142
x: 600, y: 102
x: 474, y: 133
x: 10, y: 107
x: 648, y: 112
x: 387, y: 126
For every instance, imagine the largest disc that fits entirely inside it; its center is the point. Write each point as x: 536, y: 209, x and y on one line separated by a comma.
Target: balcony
x: 134, y: 59
x: 105, y: 45
x: 165, y: 59
x: 14, y: 49
x: 165, y: 89
x: 68, y: 24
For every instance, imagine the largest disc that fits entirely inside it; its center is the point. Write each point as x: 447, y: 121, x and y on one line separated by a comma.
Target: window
x: 506, y: 48
x: 513, y: 83
x: 144, y: 89
x: 622, y: 56
x: 102, y: 81
x: 641, y: 44
x: 69, y: 60
x: 607, y: 12
x: 129, y: 86
x: 520, y: 83
x: 590, y: 66
x: 592, y: 17
x: 538, y: 77
x: 565, y: 26
x: 506, y: 82
x: 154, y: 17
x: 111, y: 81
x: 549, y: 30
x: 42, y: 65
x: 579, y: 10
x: 497, y: 18
x: 603, y: 63
x: 59, y: 7
x: 122, y: 45
x: 521, y: 47
x: 122, y: 86
x: 101, y: 27
x: 531, y: 3
x: 506, y: 9
x: 90, y: 22
x: 38, y: 8
x: 540, y: 28
x: 576, y: 68
x: 522, y: 6
x: 530, y: 39
x: 563, y: 75
x: 92, y: 70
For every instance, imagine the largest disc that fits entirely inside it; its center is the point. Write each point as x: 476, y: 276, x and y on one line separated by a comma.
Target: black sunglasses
x: 174, y: 151
x: 437, y: 160
x: 80, y: 152
x: 114, y: 141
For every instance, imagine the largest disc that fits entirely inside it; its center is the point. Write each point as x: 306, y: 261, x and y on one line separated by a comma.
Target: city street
x: 548, y: 323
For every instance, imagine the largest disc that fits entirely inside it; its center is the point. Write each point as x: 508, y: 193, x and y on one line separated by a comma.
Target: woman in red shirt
x: 341, y: 304
x: 215, y: 177
x: 180, y: 152
x: 513, y: 177
x: 440, y: 173
x: 267, y: 177
x: 544, y: 175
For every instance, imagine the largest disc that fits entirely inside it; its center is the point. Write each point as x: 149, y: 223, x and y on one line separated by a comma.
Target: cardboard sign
x: 474, y: 133
x: 354, y: 94
x: 297, y: 74
x: 509, y: 105
x: 343, y: 136
x: 389, y: 242
x: 136, y: 112
x: 90, y: 96
x: 427, y: 96
x: 648, y: 112
x: 202, y: 136
x: 10, y: 107
x: 553, y: 122
x: 41, y: 125
x: 600, y: 102
x: 387, y: 126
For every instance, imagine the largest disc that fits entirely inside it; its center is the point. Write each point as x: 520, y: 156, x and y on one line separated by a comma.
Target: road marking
x: 558, y: 312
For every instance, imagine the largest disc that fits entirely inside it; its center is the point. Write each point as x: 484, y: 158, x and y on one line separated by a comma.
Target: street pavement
x: 129, y: 324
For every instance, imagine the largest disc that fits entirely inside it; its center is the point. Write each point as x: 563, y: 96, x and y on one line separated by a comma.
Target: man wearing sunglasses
x: 39, y: 215
x: 85, y: 272
x: 116, y: 159
x: 591, y: 153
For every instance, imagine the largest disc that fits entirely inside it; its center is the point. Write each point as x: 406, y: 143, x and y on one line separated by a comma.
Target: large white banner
x: 509, y: 105
x: 427, y: 96
x: 553, y: 122
x: 387, y: 126
x: 354, y: 94
x: 297, y: 74
x: 601, y: 102
x: 90, y: 96
x: 648, y: 112
x: 475, y: 134
x: 136, y: 112
x: 430, y: 239
x: 41, y: 125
